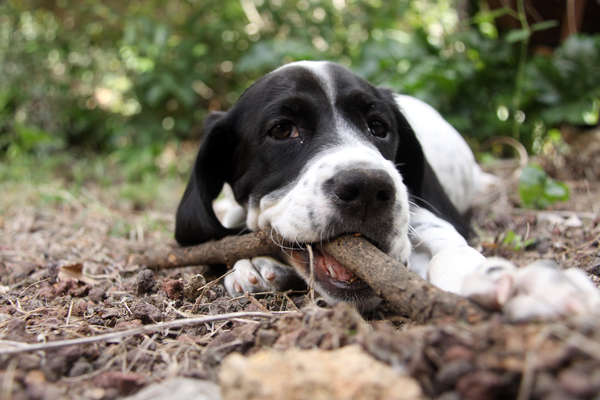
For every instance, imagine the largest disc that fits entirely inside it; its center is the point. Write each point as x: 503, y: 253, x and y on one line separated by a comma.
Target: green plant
x: 538, y: 190
x: 115, y: 75
x: 515, y: 241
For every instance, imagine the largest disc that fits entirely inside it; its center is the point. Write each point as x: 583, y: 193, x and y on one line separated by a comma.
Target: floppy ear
x: 196, y: 221
x: 419, y: 177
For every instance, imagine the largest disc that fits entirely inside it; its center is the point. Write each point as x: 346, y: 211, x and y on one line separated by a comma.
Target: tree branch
x: 225, y: 251
x: 405, y: 291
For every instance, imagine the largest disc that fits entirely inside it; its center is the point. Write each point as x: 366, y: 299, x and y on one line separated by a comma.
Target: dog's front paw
x: 259, y: 274
x: 491, y: 284
x: 544, y: 291
x: 540, y: 290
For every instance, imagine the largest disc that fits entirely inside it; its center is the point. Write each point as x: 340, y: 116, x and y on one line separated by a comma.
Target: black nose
x: 361, y: 189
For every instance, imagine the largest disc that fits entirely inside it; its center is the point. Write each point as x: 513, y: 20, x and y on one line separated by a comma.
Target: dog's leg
x: 540, y: 290
x: 259, y: 274
x: 441, y: 255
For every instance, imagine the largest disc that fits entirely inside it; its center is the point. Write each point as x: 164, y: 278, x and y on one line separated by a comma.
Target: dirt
x: 64, y: 275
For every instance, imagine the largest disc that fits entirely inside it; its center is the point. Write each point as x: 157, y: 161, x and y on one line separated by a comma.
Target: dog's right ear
x: 196, y: 221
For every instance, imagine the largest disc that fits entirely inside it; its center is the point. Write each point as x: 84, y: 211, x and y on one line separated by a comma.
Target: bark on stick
x: 224, y: 251
x: 405, y: 291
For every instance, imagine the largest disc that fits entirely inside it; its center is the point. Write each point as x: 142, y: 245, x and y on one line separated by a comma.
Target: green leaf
x: 517, y: 35
x: 556, y: 191
x: 491, y: 15
x: 538, y: 190
x: 516, y: 242
x: 540, y: 26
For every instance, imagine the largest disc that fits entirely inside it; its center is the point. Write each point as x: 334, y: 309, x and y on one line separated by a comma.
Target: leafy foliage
x: 538, y: 190
x: 115, y: 75
x: 515, y: 242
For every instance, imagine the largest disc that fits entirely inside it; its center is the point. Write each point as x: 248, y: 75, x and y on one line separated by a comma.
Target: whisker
x: 433, y: 208
x: 281, y: 244
x: 311, y: 260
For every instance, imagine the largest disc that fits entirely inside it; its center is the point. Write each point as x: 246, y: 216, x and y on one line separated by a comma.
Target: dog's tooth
x: 331, y: 271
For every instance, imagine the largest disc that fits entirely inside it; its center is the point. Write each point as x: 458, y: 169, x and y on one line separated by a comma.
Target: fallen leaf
x: 74, y: 271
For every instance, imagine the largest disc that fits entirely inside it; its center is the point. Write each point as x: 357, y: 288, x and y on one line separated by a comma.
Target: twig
x: 407, y: 293
x: 179, y: 323
x: 225, y: 251
x: 560, y: 213
x: 69, y: 314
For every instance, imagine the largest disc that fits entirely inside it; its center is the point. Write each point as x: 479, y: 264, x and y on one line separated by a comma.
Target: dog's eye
x: 378, y: 128
x: 284, y: 130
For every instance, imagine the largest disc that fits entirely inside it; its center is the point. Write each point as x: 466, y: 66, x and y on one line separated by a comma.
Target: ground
x: 64, y: 274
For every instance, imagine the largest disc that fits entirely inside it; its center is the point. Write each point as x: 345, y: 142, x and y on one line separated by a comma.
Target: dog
x: 312, y: 151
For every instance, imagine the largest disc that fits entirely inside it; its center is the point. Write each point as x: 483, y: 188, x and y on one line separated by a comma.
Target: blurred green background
x: 131, y: 81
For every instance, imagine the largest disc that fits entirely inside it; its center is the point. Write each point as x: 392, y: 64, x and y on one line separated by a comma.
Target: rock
x: 124, y: 382
x: 173, y: 288
x: 179, y: 389
x: 145, y: 282
x: 97, y: 294
x: 146, y: 312
x: 346, y: 373
x: 191, y: 287
x: 60, y: 361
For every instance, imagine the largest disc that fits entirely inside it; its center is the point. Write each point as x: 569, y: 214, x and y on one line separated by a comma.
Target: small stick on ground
x: 178, y: 323
x: 407, y: 293
x: 225, y: 251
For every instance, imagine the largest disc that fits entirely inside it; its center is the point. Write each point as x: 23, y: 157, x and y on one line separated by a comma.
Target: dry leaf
x: 74, y: 271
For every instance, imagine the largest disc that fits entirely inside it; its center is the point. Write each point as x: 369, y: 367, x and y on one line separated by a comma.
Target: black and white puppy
x: 312, y: 151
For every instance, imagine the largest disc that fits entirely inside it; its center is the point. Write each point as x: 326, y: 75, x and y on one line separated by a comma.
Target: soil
x: 64, y: 275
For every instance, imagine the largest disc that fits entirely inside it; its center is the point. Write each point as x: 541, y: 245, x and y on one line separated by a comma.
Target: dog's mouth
x: 327, y: 272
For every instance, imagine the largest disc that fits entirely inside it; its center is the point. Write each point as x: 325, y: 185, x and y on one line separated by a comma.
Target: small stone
x: 173, y: 288
x: 97, y: 294
x: 146, y: 312
x: 145, y: 282
x: 191, y: 288
x: 124, y: 382
x: 179, y: 389
x: 346, y: 373
x: 451, y: 372
x: 81, y: 367
x: 266, y: 337
x: 458, y: 352
x: 578, y: 384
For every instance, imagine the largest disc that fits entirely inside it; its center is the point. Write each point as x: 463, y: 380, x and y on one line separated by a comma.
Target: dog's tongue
x: 332, y: 267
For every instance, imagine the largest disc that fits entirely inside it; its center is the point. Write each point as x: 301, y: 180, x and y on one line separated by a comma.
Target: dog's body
x: 312, y: 151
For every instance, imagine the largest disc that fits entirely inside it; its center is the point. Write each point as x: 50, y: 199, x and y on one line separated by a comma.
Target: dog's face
x: 311, y: 151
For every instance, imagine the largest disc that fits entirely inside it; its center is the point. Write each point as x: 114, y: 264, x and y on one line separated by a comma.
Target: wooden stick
x: 225, y: 251
x: 178, y: 323
x: 407, y: 293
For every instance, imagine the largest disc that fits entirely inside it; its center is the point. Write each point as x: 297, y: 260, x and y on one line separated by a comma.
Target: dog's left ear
x: 419, y: 177
x: 196, y: 221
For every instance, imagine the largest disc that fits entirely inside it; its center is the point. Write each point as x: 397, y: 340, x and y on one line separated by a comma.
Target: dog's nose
x: 360, y: 189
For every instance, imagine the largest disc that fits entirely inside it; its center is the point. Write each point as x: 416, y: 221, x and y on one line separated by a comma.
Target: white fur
x: 447, y: 153
x: 434, y: 248
x: 289, y: 215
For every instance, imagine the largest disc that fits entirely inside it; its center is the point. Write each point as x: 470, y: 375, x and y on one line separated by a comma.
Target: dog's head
x: 313, y: 151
